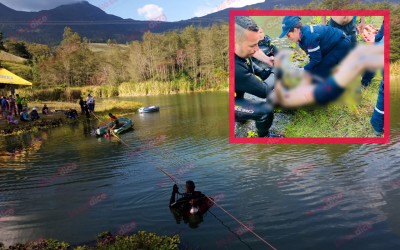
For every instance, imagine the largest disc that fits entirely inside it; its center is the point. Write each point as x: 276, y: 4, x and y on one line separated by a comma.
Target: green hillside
x: 103, y: 47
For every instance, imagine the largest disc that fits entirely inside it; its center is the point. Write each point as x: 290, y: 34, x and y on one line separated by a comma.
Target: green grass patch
x: 103, y: 47
x: 338, y: 121
x: 18, y: 69
x: 106, y: 241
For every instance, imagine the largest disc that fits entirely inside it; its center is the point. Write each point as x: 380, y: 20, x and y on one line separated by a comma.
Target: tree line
x: 157, y: 57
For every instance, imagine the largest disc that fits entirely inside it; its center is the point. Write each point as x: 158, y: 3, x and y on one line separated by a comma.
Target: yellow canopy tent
x: 7, y: 77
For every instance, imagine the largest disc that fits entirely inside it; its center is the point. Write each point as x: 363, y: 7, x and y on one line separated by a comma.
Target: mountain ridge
x: 98, y: 26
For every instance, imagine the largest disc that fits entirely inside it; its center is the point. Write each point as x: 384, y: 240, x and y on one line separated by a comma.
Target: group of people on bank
x: 14, y: 106
x: 326, y: 47
x: 87, y: 107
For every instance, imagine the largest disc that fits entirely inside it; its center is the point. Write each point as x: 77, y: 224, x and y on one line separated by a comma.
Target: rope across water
x: 171, y: 176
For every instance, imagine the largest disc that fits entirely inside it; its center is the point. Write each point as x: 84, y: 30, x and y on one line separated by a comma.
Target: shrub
x: 106, y: 241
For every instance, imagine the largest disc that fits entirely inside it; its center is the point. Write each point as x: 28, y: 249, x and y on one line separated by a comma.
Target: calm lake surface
x: 137, y: 191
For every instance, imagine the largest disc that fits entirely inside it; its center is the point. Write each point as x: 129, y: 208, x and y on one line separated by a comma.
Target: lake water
x: 251, y: 187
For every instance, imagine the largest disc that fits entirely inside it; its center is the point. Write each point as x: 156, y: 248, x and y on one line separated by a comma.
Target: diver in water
x: 265, y: 56
x: 191, y: 204
x: 249, y: 78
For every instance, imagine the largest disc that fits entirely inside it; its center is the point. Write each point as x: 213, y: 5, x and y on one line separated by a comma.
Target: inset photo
x: 305, y: 78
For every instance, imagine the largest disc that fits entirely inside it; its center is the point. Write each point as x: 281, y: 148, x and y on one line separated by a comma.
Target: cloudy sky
x: 175, y: 10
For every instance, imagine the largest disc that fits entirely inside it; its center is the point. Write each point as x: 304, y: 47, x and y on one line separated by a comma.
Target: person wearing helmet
x: 34, y: 114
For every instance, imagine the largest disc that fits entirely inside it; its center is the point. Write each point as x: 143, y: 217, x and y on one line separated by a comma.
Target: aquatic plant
x: 106, y: 241
x: 46, y: 244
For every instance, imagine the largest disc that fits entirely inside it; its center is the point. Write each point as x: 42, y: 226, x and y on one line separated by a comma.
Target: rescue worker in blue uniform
x: 368, y: 75
x: 249, y: 78
x: 325, y: 45
x: 377, y: 119
x: 347, y: 24
x: 358, y: 60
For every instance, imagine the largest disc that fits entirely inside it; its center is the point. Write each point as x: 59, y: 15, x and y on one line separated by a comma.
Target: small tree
x: 1, y: 41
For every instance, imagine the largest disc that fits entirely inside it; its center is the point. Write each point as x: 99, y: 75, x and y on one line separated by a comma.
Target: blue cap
x: 288, y: 23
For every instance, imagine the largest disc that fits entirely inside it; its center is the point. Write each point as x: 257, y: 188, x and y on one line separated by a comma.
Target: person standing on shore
x: 4, y: 105
x: 12, y: 91
x: 90, y: 102
x: 12, y: 105
x: 81, y: 104
x: 24, y: 103
x: 19, y: 104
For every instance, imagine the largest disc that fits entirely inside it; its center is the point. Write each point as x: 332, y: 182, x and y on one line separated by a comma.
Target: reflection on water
x: 132, y: 184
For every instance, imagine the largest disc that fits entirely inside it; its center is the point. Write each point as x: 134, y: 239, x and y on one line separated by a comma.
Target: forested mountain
x: 92, y: 22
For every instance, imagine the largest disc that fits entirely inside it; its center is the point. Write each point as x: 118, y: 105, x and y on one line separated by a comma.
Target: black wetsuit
x: 268, y: 48
x: 246, y: 81
x: 81, y: 104
x: 86, y: 109
x: 183, y: 203
x: 181, y: 208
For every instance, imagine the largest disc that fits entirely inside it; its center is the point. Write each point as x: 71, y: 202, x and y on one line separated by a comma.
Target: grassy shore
x: 105, y: 241
x: 118, y: 108
x: 152, y: 87
x: 338, y: 121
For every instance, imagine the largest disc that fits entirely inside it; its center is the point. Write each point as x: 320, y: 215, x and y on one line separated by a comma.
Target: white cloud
x: 237, y: 3
x: 203, y: 10
x: 150, y: 11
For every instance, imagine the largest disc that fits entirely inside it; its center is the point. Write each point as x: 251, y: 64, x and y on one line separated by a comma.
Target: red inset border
x: 233, y: 13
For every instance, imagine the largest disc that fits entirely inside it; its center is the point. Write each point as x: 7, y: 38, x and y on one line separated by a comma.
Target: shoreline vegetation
x: 105, y: 241
x: 118, y: 108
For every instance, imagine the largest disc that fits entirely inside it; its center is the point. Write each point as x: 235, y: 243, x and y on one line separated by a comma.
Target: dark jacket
x: 317, y: 41
x: 184, y: 202
x: 43, y: 109
x: 72, y: 113
x: 34, y: 113
x: 246, y: 80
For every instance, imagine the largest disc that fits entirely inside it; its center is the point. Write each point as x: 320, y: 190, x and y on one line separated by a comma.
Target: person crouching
x: 72, y: 114
x: 24, y: 116
x: 34, y: 114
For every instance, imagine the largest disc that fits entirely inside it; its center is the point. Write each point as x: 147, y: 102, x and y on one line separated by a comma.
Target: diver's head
x: 261, y: 32
x: 110, y: 115
x: 246, y: 36
x: 190, y: 187
x: 291, y: 27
